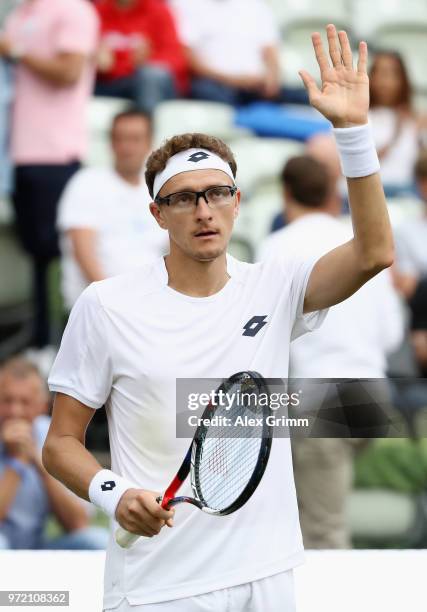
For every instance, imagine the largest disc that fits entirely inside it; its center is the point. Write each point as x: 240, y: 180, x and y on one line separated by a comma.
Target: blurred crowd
x: 55, y: 55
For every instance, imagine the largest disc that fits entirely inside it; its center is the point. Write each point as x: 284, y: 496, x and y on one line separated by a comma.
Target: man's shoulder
x: 96, y: 174
x: 92, y: 179
x: 126, y: 288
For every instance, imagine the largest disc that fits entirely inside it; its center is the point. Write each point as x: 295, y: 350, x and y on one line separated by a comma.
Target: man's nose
x: 202, y: 209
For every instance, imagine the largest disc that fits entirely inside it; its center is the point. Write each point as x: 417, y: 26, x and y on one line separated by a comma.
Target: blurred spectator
x: 411, y: 267
x: 354, y: 342
x: 27, y: 492
x: 140, y: 56
x: 104, y: 218
x: 233, y: 51
x: 393, y: 121
x: 52, y: 43
x: 323, y: 148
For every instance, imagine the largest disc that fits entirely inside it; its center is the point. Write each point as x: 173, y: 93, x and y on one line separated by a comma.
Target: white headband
x: 186, y: 161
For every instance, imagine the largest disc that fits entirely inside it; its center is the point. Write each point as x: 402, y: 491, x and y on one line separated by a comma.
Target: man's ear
x: 158, y: 215
x: 237, y: 203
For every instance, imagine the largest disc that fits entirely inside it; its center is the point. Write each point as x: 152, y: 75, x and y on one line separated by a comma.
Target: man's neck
x: 196, y: 278
x: 129, y: 177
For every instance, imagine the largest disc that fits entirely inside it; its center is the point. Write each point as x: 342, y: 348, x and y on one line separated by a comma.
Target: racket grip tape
x: 124, y: 538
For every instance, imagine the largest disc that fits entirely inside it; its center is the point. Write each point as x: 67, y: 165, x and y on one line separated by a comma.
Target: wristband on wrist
x: 17, y: 466
x: 357, y: 151
x: 106, y: 489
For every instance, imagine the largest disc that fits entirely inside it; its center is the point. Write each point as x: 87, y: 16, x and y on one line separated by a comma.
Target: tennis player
x: 201, y: 313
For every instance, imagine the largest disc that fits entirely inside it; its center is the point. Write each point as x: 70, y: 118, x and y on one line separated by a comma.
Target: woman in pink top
x: 53, y: 43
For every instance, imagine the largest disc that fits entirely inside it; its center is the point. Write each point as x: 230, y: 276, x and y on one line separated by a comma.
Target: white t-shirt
x: 127, y: 341
x: 127, y: 234
x: 411, y: 250
x: 397, y: 165
x: 227, y: 35
x: 358, y: 333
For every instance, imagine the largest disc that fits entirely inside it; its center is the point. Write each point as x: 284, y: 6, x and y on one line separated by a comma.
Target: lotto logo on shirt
x: 254, y: 325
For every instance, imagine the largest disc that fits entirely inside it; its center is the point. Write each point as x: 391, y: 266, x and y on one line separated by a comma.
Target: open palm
x: 344, y: 95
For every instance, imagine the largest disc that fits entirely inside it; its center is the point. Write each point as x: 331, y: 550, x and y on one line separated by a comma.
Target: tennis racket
x: 225, y: 468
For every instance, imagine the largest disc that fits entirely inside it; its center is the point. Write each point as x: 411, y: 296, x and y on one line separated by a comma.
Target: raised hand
x: 344, y: 95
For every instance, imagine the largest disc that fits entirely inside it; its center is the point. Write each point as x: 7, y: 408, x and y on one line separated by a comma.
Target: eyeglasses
x: 215, y: 197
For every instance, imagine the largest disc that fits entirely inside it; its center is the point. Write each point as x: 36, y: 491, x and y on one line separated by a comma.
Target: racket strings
x: 227, y: 460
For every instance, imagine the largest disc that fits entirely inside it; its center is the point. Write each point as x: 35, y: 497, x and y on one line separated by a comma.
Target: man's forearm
x: 373, y: 237
x: 69, y: 511
x: 67, y: 460
x: 62, y: 70
x: 84, y: 246
x: 9, y: 485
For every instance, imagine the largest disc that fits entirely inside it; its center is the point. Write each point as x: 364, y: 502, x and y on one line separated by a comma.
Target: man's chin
x: 209, y: 254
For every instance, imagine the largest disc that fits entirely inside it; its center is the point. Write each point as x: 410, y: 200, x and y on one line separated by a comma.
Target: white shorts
x: 273, y: 594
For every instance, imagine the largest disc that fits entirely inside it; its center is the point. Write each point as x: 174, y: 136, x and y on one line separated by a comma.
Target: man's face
x: 201, y: 233
x: 21, y: 398
x: 131, y: 143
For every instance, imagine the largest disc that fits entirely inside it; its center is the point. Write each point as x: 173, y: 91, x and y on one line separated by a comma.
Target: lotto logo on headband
x: 199, y: 156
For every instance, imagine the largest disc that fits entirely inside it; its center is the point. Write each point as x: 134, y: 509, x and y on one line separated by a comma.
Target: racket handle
x: 124, y: 538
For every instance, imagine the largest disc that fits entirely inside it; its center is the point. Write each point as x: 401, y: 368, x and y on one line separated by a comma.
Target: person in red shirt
x: 140, y: 55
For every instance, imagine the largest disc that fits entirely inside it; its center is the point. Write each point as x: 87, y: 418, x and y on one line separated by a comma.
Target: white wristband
x: 106, y: 490
x: 357, y: 151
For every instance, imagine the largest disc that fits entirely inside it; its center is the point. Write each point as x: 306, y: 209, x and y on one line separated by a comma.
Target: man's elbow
x: 378, y: 262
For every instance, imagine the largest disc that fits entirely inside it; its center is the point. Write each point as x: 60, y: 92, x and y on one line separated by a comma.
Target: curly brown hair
x: 159, y: 158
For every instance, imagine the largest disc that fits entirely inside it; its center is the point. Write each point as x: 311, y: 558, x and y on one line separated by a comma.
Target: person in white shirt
x: 354, y: 342
x: 104, y: 221
x: 130, y: 337
x: 232, y: 47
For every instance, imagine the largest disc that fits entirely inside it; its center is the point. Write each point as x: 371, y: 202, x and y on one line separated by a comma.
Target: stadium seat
x: 101, y: 112
x: 397, y: 25
x: 378, y: 517
x: 387, y: 14
x: 257, y: 213
x: 311, y: 14
x: 179, y: 116
x: 260, y: 160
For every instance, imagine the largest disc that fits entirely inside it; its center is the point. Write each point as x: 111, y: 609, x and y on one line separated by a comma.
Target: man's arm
x: 9, y: 485
x: 63, y: 69
x: 69, y: 511
x: 15, y: 435
x: 344, y: 100
x: 83, y: 241
x: 66, y: 458
x: 271, y: 85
